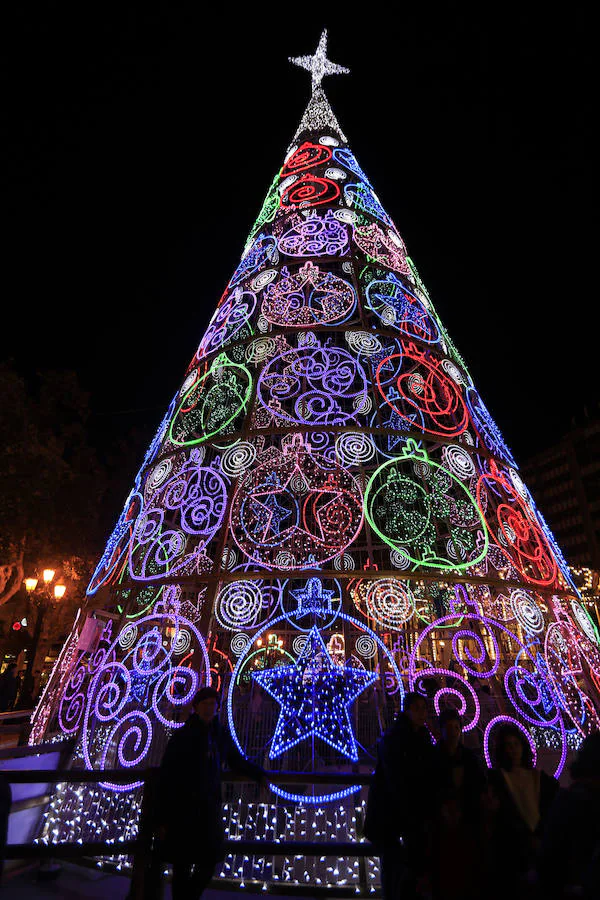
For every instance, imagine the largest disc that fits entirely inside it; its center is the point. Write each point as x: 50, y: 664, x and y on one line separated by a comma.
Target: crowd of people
x: 445, y: 827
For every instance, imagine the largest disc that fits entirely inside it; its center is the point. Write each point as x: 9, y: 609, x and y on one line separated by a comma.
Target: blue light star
x: 314, y: 695
x: 269, y: 515
x: 313, y: 598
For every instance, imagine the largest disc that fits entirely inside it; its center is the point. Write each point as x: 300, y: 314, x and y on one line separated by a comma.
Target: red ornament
x: 416, y: 387
x: 305, y: 157
x: 513, y: 527
x: 310, y: 191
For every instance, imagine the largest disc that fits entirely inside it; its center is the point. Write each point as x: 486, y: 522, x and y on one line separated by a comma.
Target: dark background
x: 140, y: 145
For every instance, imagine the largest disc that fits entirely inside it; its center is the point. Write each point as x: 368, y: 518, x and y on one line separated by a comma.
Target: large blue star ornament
x: 314, y: 695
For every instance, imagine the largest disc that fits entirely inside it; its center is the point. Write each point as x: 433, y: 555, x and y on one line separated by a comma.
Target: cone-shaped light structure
x: 327, y: 517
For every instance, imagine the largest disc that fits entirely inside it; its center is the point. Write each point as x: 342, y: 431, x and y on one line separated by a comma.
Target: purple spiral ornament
x: 315, y: 236
x: 178, y: 521
x: 314, y: 385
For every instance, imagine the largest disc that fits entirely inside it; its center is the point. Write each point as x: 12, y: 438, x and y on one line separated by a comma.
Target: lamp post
x: 41, y: 595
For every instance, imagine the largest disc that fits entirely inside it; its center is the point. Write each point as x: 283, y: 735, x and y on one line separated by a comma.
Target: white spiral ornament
x: 389, y: 602
x: 329, y: 141
x: 354, y: 448
x: 345, y: 215
x: 228, y: 558
x: 262, y: 280
x: 128, y: 637
x: 159, y: 474
x: 298, y: 483
x: 335, y: 174
x: 285, y: 560
x: 365, y: 645
x: 363, y: 342
x: 299, y: 643
x: 527, y: 612
x: 584, y: 621
x: 182, y: 642
x: 286, y: 183
x: 458, y: 461
x: 388, y: 315
x: 455, y: 551
x: 506, y: 536
x: 239, y: 643
x: 189, y: 381
x: 453, y: 371
x: 422, y: 471
x: 260, y: 350
x: 518, y: 484
x: 239, y: 605
x: 400, y: 560
x: 344, y: 563
x: 237, y: 459
x: 362, y: 404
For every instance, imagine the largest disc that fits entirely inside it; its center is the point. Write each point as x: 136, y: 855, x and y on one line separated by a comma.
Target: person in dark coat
x: 459, y: 784
x: 9, y: 685
x: 189, y: 810
x: 521, y: 797
x: 569, y: 863
x: 399, y: 807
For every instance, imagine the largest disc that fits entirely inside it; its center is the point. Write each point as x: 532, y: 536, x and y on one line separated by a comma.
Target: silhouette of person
x: 189, y: 813
x: 399, y: 808
x: 569, y: 864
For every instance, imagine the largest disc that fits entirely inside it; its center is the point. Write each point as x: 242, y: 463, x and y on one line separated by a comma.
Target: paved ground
x: 77, y: 882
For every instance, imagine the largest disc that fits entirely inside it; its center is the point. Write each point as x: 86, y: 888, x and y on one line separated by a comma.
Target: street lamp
x: 42, y: 597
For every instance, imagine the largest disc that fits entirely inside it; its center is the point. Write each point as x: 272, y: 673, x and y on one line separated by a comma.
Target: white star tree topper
x: 318, y: 64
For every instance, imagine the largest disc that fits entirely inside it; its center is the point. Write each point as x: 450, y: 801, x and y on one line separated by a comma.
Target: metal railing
x: 140, y: 849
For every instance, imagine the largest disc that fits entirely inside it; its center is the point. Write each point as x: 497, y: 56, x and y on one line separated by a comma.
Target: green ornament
x: 420, y: 508
x: 212, y: 404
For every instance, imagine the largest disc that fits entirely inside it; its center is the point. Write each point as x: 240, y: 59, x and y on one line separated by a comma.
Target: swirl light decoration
x: 416, y: 388
x: 230, y: 320
x: 327, y: 517
x: 314, y: 384
x: 179, y: 520
x: 513, y: 527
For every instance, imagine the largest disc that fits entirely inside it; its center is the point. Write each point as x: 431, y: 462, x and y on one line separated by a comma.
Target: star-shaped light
x: 313, y: 598
x: 318, y: 65
x: 269, y: 515
x: 314, y: 695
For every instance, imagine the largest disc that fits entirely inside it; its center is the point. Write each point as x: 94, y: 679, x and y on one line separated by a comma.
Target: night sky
x: 141, y: 145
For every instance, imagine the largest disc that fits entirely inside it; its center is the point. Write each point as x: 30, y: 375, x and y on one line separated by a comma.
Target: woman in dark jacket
x: 399, y: 807
x: 189, y: 810
x: 459, y: 785
x: 521, y: 796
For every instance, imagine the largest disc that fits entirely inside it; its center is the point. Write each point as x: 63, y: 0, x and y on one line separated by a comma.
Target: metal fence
x: 141, y: 849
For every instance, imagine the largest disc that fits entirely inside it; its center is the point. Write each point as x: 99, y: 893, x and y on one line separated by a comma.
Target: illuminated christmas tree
x: 327, y: 516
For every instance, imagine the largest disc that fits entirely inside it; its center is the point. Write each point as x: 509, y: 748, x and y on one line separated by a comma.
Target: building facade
x: 565, y: 482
